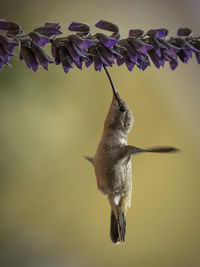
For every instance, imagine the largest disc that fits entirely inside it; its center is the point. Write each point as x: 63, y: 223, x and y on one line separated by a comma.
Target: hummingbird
x: 112, y: 162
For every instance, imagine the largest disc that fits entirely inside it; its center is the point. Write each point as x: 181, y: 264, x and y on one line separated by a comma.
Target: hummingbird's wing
x: 131, y: 150
x: 91, y: 160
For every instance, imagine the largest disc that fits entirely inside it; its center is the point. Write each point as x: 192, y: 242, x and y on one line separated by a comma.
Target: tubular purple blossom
x: 184, y: 32
x: 38, y: 38
x: 106, y: 25
x: 136, y: 33
x: 42, y: 58
x: 11, y: 27
x: 29, y: 58
x: 106, y: 40
x: 49, y: 29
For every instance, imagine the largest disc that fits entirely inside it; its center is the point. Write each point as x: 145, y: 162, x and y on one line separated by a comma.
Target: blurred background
x: 51, y: 211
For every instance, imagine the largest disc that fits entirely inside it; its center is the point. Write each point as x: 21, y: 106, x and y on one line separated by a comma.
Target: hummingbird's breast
x: 114, y: 176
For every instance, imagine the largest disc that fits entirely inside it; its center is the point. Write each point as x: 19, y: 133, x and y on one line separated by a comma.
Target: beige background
x: 51, y: 211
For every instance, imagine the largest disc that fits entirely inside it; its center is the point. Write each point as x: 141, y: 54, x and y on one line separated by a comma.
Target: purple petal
x: 197, y: 54
x: 162, y: 60
x: 106, y: 40
x: 4, y: 55
x: 41, y: 56
x: 158, y: 47
x: 135, y: 33
x: 129, y: 50
x: 81, y: 43
x: 139, y: 45
x: 188, y: 52
x: 65, y: 59
x: 8, y: 44
x: 10, y: 26
x: 29, y: 58
x: 115, y: 53
x: 185, y: 45
x: 129, y: 63
x: 88, y: 62
x: 120, y: 61
x: 173, y: 63
x: 73, y: 53
x: 108, y: 26
x: 97, y: 63
x: 106, y: 54
x: 183, y: 57
x: 184, y: 32
x: 154, y: 57
x: 157, y: 33
x: 55, y: 54
x: 79, y: 27
x: 40, y: 39
x: 143, y: 64
x: 48, y: 31
x: 172, y: 50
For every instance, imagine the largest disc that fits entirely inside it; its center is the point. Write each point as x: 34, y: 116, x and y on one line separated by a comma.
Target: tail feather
x: 117, y: 226
x: 114, y: 234
x: 122, y: 224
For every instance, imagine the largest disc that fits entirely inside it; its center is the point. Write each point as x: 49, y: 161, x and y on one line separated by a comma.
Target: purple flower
x: 155, y: 59
x: 8, y: 44
x: 158, y: 47
x: 157, y: 33
x: 49, y: 29
x: 136, y: 33
x: 108, y: 26
x: 78, y: 41
x: 65, y: 60
x: 73, y: 52
x: 96, y: 58
x: 68, y: 50
x: 27, y: 54
x: 107, y: 56
x: 5, y: 58
x: 82, y: 28
x: 184, y: 32
x: 39, y: 39
x: 143, y: 63
x: 129, y: 63
x: 186, y: 48
x: 11, y: 27
x: 106, y: 40
x: 171, y: 49
x: 55, y: 54
x: 173, y: 63
x: 129, y: 51
x: 42, y: 58
x: 139, y: 45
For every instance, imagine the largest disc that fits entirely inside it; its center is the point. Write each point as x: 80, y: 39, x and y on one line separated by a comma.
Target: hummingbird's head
x: 119, y: 116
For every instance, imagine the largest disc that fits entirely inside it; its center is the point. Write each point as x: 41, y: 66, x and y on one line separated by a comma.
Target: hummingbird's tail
x: 117, y: 226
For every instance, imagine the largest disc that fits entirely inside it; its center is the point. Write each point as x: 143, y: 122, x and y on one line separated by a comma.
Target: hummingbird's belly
x: 114, y: 179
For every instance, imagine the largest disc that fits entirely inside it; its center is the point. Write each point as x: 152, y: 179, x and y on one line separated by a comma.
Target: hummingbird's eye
x: 122, y: 108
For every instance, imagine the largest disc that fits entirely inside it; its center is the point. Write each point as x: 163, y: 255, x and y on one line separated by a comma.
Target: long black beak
x: 115, y: 93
